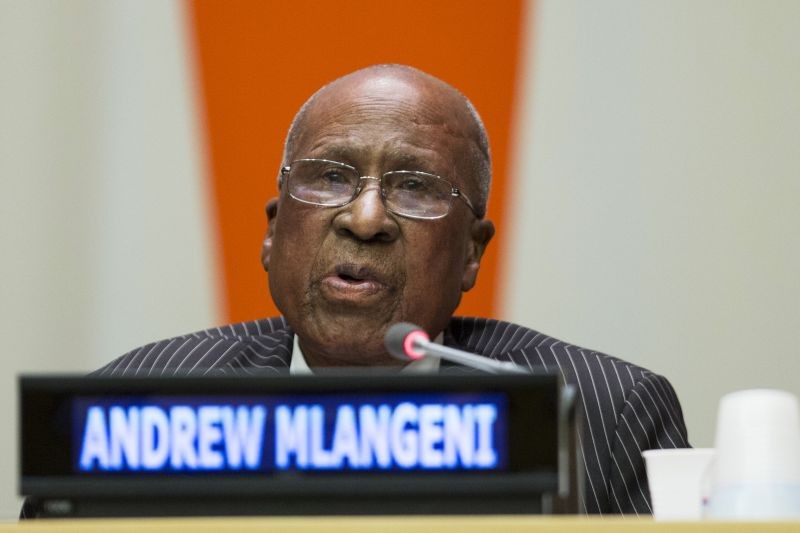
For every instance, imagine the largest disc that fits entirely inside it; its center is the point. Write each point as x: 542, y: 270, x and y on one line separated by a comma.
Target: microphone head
x: 399, y: 341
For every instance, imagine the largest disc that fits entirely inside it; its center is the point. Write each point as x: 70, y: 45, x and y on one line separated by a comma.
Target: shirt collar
x: 427, y: 365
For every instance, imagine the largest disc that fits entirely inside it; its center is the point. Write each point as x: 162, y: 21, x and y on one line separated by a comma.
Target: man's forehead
x: 392, y: 143
x: 343, y: 149
x: 394, y: 108
x: 393, y: 154
x: 387, y: 94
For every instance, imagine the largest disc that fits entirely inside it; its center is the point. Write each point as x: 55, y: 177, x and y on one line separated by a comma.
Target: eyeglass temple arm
x: 457, y: 192
x: 284, y: 171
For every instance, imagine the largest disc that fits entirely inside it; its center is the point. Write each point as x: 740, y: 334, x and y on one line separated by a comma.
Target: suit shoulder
x: 245, y: 343
x: 626, y: 407
x: 264, y: 327
x: 589, y: 369
x: 490, y: 337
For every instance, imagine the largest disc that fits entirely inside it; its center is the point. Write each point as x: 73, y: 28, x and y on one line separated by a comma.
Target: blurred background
x: 646, y: 173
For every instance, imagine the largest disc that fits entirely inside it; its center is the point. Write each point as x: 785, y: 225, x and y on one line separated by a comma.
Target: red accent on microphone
x: 408, y: 343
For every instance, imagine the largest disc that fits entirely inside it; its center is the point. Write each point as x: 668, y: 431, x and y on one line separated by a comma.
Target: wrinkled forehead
x: 410, y: 102
x: 414, y: 123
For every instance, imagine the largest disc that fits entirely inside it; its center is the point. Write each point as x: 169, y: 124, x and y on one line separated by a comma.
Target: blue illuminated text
x: 290, y: 433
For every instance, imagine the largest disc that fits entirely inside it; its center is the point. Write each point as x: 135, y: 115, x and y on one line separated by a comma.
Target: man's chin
x: 347, y: 339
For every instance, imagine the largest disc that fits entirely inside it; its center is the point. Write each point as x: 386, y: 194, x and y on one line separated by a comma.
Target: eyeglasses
x: 406, y: 193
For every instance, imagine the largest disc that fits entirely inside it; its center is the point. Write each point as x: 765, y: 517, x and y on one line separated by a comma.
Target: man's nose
x: 366, y: 217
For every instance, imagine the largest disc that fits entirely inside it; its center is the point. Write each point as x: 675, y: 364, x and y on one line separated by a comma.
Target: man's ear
x: 266, y: 247
x: 481, y: 233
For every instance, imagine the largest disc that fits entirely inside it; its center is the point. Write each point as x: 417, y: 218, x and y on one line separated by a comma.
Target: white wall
x: 659, y: 191
x: 98, y: 133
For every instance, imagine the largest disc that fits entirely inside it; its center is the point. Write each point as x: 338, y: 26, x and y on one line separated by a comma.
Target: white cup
x: 675, y: 478
x: 756, y: 472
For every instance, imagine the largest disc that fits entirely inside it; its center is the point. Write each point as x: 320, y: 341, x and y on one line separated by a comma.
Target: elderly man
x: 380, y: 219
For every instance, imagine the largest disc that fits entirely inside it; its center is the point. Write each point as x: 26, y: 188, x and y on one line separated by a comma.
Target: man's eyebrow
x: 403, y: 160
x: 338, y: 153
x: 408, y: 161
x: 343, y: 153
x: 397, y: 159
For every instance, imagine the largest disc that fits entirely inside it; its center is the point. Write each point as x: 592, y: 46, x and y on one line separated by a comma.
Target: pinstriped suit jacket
x: 627, y: 408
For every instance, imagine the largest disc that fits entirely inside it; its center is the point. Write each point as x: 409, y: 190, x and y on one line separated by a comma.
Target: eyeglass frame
x: 454, y: 191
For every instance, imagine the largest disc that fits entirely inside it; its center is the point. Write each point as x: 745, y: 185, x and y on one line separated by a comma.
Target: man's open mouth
x: 355, y: 273
x: 349, y: 282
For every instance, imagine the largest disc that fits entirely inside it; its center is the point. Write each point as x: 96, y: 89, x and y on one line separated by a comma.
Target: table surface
x: 391, y: 524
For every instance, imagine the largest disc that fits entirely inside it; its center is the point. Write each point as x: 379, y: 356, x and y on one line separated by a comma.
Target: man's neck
x: 301, y: 363
x: 353, y: 357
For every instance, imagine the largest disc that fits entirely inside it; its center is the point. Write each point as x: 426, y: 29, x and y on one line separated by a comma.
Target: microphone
x: 408, y: 342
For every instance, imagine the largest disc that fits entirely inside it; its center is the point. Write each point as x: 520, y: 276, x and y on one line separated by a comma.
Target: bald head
x: 430, y: 101
x: 348, y: 257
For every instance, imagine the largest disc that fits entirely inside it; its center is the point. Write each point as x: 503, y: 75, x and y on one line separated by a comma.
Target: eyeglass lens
x: 334, y: 184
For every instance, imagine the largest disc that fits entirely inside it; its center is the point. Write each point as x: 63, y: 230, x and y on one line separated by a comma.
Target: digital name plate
x: 330, y: 444
x: 278, y: 433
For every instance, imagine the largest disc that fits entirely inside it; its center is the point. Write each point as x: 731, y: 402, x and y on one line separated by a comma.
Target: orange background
x: 259, y: 61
